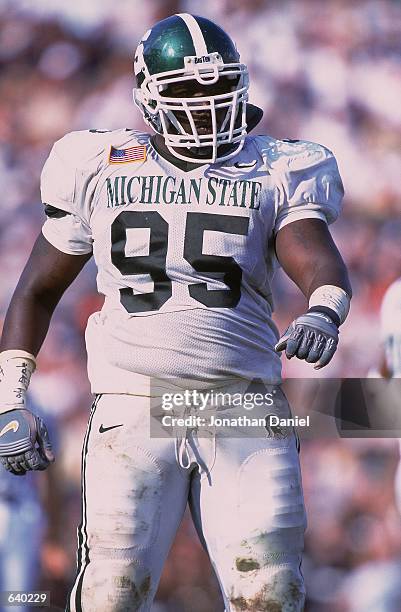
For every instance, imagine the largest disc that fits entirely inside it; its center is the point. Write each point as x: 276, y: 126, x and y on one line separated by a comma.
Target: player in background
x: 390, y: 364
x: 390, y: 323
x: 186, y: 227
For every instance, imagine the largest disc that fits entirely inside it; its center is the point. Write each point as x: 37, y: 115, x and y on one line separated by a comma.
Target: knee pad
x: 279, y: 589
x: 115, y: 585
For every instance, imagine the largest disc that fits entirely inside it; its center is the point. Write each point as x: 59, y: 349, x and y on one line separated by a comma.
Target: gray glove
x: 24, y: 442
x: 312, y: 336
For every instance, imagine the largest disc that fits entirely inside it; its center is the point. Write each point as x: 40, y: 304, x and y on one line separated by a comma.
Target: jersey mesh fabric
x: 207, y: 317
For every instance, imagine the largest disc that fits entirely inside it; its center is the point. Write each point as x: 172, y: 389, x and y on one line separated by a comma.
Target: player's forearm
x: 27, y: 321
x: 308, y: 254
x: 332, y: 271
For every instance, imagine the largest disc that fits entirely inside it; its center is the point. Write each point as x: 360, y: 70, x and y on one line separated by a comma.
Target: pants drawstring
x: 181, y: 446
x: 181, y: 449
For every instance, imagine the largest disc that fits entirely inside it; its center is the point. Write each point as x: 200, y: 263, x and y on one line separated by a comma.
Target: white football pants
x: 245, y: 496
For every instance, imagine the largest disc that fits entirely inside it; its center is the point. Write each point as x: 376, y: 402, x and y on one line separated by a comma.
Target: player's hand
x: 312, y: 336
x: 24, y: 442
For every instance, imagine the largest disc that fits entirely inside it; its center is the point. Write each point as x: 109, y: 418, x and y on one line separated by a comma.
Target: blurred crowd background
x: 324, y: 71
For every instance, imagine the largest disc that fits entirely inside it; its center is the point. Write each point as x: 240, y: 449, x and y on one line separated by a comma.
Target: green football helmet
x: 197, y: 54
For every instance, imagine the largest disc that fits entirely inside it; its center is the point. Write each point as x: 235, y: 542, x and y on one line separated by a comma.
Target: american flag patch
x: 122, y: 156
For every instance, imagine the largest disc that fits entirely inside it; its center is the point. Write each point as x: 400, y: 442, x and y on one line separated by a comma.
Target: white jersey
x: 390, y: 319
x: 185, y: 259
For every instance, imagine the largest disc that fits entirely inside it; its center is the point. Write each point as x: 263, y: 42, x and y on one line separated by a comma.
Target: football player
x: 390, y: 365
x: 390, y: 318
x: 186, y: 226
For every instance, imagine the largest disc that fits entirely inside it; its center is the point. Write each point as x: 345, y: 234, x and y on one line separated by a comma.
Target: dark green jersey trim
x: 54, y: 213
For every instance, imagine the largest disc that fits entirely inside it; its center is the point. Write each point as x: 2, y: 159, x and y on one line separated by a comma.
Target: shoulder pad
x: 307, y: 176
x: 86, y: 145
x: 296, y: 154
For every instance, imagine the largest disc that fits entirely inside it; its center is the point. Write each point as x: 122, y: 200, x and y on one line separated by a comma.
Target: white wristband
x: 16, y: 368
x: 332, y: 297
